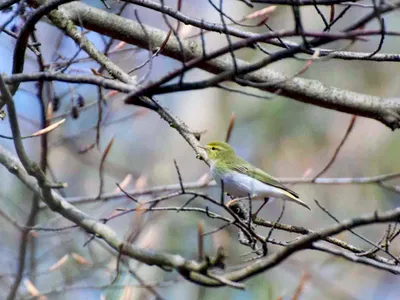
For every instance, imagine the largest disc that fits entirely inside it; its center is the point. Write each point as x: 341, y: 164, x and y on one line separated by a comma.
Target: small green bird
x: 241, y: 179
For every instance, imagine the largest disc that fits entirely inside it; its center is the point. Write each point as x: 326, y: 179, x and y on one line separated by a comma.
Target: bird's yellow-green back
x: 226, y: 160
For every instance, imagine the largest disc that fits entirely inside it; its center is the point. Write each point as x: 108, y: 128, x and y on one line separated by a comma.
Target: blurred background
x: 284, y: 137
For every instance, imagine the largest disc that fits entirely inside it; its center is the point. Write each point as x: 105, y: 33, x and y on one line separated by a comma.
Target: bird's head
x: 218, y: 150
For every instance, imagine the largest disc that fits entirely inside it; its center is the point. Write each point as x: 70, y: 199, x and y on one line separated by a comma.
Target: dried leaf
x: 141, y: 183
x: 32, y: 290
x: 101, y: 167
x: 119, y: 46
x: 185, y: 30
x: 124, y: 183
x: 265, y: 12
x: 308, y: 63
x: 128, y: 293
x: 48, y: 128
x: 49, y: 111
x: 111, y: 94
x: 307, y: 172
x: 332, y: 14
x: 97, y: 73
x: 204, y: 179
x: 59, y: 263
x: 80, y: 259
x: 300, y: 287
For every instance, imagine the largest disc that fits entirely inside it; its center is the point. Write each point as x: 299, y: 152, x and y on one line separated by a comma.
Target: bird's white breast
x: 240, y: 185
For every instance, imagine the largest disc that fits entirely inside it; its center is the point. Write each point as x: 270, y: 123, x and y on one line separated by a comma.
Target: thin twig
x: 230, y: 127
x: 358, y: 235
x: 337, y: 150
x: 179, y: 177
x: 101, y: 166
x: 200, y: 240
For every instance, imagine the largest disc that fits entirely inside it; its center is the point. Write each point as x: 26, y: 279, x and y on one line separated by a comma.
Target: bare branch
x: 314, y: 92
x: 101, y: 166
x: 332, y: 160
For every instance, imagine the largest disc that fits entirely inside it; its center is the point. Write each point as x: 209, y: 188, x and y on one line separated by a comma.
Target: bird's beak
x: 202, y: 147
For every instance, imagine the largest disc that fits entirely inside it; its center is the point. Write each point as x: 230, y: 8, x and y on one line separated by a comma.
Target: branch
x: 72, y: 78
x: 337, y: 150
x: 34, y: 178
x: 307, y: 241
x: 191, y: 269
x: 303, y: 90
x: 61, y: 19
x: 219, y: 28
x: 199, y: 185
x: 300, y: 2
x: 313, y: 92
x: 91, y: 225
x: 23, y: 37
x: 331, y: 240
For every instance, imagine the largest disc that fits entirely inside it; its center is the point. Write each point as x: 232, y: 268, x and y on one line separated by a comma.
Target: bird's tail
x: 295, y: 199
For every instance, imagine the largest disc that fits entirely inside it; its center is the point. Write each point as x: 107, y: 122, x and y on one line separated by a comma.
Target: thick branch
x: 307, y: 242
x: 313, y: 92
x: 220, y: 28
x: 334, y: 241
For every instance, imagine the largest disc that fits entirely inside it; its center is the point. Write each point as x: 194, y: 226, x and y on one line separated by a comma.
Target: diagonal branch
x: 337, y: 150
x: 61, y: 19
x: 219, y: 28
x: 308, y: 91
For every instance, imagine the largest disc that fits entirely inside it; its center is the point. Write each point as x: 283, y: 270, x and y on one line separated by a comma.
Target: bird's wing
x: 247, y: 169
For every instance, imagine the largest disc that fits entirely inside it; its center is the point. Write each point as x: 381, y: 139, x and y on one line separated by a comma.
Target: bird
x: 242, y: 179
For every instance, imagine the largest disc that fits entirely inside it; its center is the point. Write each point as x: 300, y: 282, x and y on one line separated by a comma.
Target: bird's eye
x: 213, y: 148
